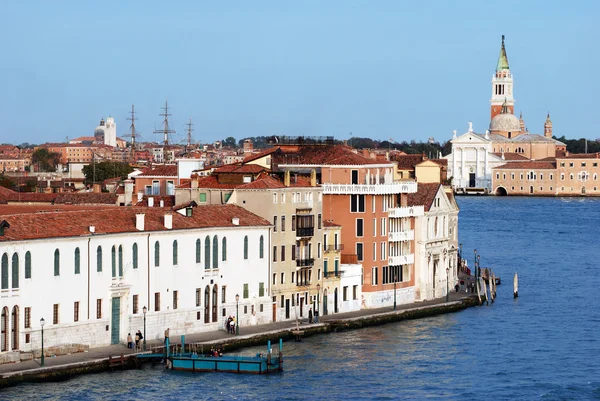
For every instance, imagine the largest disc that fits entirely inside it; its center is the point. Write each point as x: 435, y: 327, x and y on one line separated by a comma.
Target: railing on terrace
x: 302, y: 283
x: 400, y: 236
x: 371, y: 189
x: 401, y: 260
x: 406, y: 211
x: 305, y: 262
x: 332, y: 248
x: 305, y: 232
x: 332, y: 274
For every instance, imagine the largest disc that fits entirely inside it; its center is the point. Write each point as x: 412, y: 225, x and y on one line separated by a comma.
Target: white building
x: 106, y: 132
x: 90, y: 274
x: 436, y: 247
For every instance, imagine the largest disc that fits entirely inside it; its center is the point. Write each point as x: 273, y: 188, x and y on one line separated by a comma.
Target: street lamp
x: 318, y: 293
x: 478, y: 268
x: 144, y: 309
x: 237, y: 314
x: 395, y: 280
x: 42, y: 322
x: 447, y: 294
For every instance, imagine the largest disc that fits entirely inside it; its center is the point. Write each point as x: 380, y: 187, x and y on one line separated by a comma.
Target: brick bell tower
x: 502, y: 86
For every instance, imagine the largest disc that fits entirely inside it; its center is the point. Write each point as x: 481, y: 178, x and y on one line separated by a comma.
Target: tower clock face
x: 495, y: 109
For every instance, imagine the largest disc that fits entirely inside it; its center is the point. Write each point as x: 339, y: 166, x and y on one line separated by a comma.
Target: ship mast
x: 133, y: 134
x: 165, y: 131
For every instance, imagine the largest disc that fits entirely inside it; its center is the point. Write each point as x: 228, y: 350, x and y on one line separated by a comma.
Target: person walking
x: 138, y: 337
x: 129, y: 341
x: 166, y: 335
x: 310, y: 316
x: 316, y: 316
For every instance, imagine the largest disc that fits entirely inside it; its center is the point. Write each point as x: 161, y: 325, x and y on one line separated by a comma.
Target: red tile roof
x: 526, y: 165
x: 212, y: 182
x: 263, y: 182
x: 168, y: 200
x: 441, y: 162
x: 322, y: 155
x: 121, y: 220
x: 424, y: 196
x: 511, y: 156
x: 408, y: 161
x: 240, y: 169
x: 581, y: 156
x: 259, y: 155
x: 330, y: 223
x: 165, y: 170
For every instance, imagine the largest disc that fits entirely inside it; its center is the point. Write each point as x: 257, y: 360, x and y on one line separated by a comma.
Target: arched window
x: 224, y: 250
x: 215, y: 252
x: 156, y: 254
x: 134, y: 252
x: 15, y: 328
x: 246, y: 247
x: 99, y: 259
x: 215, y: 293
x: 120, y: 260
x: 15, y: 270
x: 261, y: 247
x: 207, y: 304
x: 207, y: 252
x: 77, y: 261
x: 28, y: 264
x: 4, y: 271
x: 198, y: 250
x: 113, y: 259
x: 175, y: 253
x: 435, y: 227
x: 57, y: 262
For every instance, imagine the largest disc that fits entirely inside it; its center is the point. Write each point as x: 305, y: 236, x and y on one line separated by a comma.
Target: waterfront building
x: 96, y: 275
x: 106, y: 132
x: 475, y: 155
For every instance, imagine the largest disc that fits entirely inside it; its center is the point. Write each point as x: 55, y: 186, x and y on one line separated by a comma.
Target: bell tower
x: 548, y: 127
x: 502, y: 86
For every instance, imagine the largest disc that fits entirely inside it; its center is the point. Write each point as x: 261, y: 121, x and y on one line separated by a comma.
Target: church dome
x: 99, y: 132
x: 505, y: 122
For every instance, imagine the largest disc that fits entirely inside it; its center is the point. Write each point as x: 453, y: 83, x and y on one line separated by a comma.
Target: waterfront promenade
x: 98, y: 356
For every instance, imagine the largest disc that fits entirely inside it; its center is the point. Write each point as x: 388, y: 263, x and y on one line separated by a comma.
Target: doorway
x: 325, y: 302
x: 115, y: 320
x: 471, y: 180
x: 335, y: 300
x: 287, y: 308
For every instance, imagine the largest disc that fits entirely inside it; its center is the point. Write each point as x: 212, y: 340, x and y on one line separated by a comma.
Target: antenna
x: 133, y: 133
x: 189, y: 133
x: 165, y: 131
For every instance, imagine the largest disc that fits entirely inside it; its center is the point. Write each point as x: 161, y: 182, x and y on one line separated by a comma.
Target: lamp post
x: 318, y: 294
x: 237, y: 314
x: 447, y: 293
x: 42, y: 322
x: 144, y: 309
x: 478, y: 268
x: 395, y: 280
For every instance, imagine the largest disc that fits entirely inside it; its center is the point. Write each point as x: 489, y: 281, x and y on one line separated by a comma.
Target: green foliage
x: 578, y: 145
x: 44, y: 160
x: 98, y: 172
x: 230, y: 142
x: 6, y: 182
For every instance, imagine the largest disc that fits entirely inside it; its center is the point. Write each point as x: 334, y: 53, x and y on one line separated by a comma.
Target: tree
x: 6, y: 182
x: 44, y: 160
x: 230, y: 142
x: 97, y: 172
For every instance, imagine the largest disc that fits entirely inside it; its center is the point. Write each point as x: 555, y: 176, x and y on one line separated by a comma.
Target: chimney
x: 92, y: 229
x: 194, y: 183
x: 162, y: 203
x: 150, y: 201
x: 128, y: 192
x: 168, y: 221
x: 313, y: 178
x: 139, y: 221
x: 140, y: 196
x: 286, y: 178
x: 235, y: 221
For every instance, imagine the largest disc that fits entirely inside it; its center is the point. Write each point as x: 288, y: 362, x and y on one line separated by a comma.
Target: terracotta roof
x: 424, y: 196
x: 441, y: 162
x: 81, y: 198
x: 20, y: 208
x: 121, y: 220
x: 408, y: 161
x: 212, y: 182
x: 259, y: 155
x: 581, y: 156
x: 330, y: 223
x: 263, y: 182
x: 238, y: 168
x: 165, y: 170
x: 323, y: 155
x: 511, y: 156
x: 168, y: 200
x: 185, y: 205
x: 526, y: 165
x: 32, y: 197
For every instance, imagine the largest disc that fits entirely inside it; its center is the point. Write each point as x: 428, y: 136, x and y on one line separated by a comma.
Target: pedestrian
x: 166, y: 335
x: 310, y: 316
x: 129, y: 341
x: 316, y: 316
x: 138, y: 338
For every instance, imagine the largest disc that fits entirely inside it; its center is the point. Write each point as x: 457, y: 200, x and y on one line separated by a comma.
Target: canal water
x: 543, y: 346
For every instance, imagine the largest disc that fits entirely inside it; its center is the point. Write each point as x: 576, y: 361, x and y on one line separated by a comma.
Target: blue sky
x: 379, y: 69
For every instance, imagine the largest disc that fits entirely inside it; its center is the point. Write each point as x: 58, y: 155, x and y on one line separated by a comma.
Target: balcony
x: 408, y: 187
x: 302, y: 283
x: 333, y: 248
x: 305, y: 262
x: 411, y: 211
x: 305, y: 231
x: 333, y: 274
x: 401, y: 260
x: 402, y: 236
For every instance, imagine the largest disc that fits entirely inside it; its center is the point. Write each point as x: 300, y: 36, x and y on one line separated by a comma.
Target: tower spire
x: 502, y: 59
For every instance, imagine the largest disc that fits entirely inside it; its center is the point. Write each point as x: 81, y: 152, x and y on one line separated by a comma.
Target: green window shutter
x: 246, y: 247
x: 261, y: 247
x: 202, y: 198
x: 135, y: 256
x: 224, y: 250
x: 113, y: 259
x: 261, y: 289
x: 57, y: 262
x: 120, y: 261
x: 207, y: 252
x: 15, y: 271
x: 215, y: 252
x: 245, y: 291
x: 99, y: 259
x: 156, y: 254
x: 77, y: 261
x: 175, y: 253
x: 28, y: 265
x: 198, y: 250
x: 4, y: 271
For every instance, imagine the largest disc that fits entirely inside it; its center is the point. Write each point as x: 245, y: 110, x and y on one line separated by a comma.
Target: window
x: 99, y: 309
x: 512, y: 176
x: 320, y: 221
x: 375, y: 227
x: 283, y: 198
x: 282, y: 223
x: 374, y: 276
x: 77, y: 261
x: 355, y: 292
x: 261, y: 247
x: 175, y: 253
x: 319, y: 250
x: 155, y: 187
x: 571, y: 164
x: 274, y: 278
x: 274, y: 198
x: 223, y: 294
x: 374, y: 251
x: 55, y: 314
x: 28, y: 264
x: 120, y: 254
x: 224, y: 249
x: 336, y: 267
x: 282, y: 301
x: 359, y: 227
x: 207, y: 252
x: 293, y: 252
x: 293, y: 223
x: 345, y: 293
x: 383, y: 227
x: 359, y: 251
x: 282, y: 277
x: 27, y: 317
x: 198, y: 250
x: 357, y: 203
x: 135, y: 304
x: 156, y: 301
x: 246, y: 246
x: 57, y: 262
x: 497, y: 176
x: 275, y: 253
x: 175, y: 298
x: 354, y: 176
x: 246, y: 292
x: 582, y: 164
x: 202, y: 198
x: 215, y: 255
x: 156, y: 254
x: 113, y: 258
x: 198, y: 296
x: 283, y: 253
x: 274, y: 224
x: 325, y: 263
x: 261, y: 289
x: 134, y: 252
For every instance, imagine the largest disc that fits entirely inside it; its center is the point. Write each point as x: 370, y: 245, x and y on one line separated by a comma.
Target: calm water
x: 544, y: 346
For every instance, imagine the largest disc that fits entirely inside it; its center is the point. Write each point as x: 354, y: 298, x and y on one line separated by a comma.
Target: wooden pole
x: 516, y: 286
x: 485, y: 292
x: 477, y: 285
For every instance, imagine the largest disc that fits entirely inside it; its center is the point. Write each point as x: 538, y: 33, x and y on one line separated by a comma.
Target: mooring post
x: 516, y: 286
x: 182, y: 344
x: 167, y: 346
